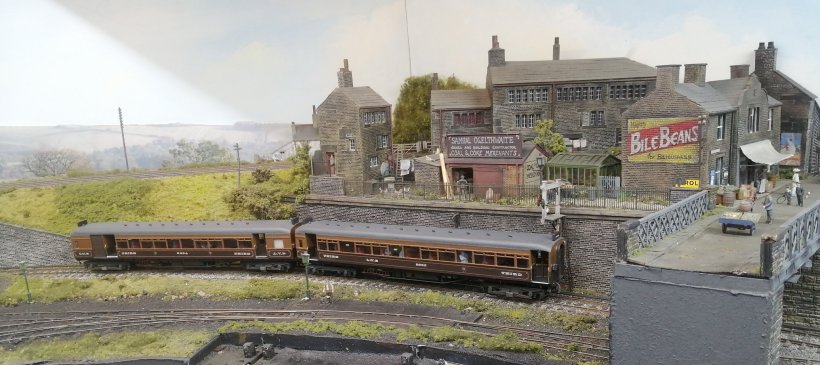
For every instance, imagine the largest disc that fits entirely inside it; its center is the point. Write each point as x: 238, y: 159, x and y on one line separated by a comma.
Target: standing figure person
x: 768, y: 204
x: 799, y: 191
x: 762, y: 182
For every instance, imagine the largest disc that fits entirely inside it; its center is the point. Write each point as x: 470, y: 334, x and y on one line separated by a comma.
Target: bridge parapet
x: 783, y: 253
x: 655, y: 226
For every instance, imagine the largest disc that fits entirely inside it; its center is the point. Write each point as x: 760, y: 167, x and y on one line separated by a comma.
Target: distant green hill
x: 58, y: 209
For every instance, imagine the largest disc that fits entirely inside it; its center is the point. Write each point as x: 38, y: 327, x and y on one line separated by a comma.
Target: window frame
x: 721, y: 127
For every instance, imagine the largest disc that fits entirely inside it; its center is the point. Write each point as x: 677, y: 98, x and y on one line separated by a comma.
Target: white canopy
x: 763, y: 152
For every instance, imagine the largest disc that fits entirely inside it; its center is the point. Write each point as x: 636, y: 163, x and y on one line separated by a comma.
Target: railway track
x: 23, y: 326
x: 559, y: 302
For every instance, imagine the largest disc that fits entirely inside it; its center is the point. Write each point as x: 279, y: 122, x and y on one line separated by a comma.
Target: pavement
x: 703, y: 247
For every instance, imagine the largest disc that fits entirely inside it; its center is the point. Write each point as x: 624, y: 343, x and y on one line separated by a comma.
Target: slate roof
x: 530, y: 72
x: 706, y: 96
x: 774, y: 102
x: 800, y: 87
x: 470, y: 237
x: 183, y: 228
x: 732, y: 89
x: 363, y: 96
x: 460, y: 99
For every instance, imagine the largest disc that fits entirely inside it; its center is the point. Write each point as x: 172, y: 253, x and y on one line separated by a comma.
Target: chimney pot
x: 345, y: 76
x: 761, y: 45
x: 495, y: 41
x: 495, y: 56
x: 771, y: 45
x: 345, y: 62
x: 556, y: 50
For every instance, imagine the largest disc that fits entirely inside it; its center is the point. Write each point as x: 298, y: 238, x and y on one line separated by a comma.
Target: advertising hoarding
x: 663, y: 140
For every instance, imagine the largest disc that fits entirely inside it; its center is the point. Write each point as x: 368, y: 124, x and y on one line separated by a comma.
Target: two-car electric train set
x: 505, y: 263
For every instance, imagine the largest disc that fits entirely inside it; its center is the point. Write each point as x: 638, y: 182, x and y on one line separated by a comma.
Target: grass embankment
x: 123, y: 345
x: 58, y: 209
x: 109, y: 288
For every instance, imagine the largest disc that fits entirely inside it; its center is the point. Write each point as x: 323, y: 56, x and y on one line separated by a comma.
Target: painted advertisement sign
x: 663, y: 140
x: 790, y: 145
x: 484, y: 146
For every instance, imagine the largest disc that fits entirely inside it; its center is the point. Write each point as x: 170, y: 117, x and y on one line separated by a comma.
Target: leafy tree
x: 187, y: 152
x: 412, y: 114
x: 264, y: 197
x: 547, y: 138
x: 51, y: 162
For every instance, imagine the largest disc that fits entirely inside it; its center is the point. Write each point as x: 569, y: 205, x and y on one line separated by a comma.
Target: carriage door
x: 259, y: 243
x: 98, y: 246
x: 539, y: 267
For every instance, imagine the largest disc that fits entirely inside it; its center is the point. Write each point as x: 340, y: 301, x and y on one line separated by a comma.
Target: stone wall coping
x: 615, y: 214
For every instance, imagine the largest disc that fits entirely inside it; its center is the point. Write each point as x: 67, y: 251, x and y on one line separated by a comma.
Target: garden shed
x: 585, y: 168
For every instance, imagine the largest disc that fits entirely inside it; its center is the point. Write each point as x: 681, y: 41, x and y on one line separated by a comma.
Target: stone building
x: 354, y: 127
x: 801, y: 114
x: 459, y: 112
x: 699, y: 133
x: 585, y: 97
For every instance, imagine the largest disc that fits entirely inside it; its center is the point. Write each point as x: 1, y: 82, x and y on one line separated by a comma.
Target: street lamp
x: 540, y: 162
x: 25, y: 277
x: 306, y: 262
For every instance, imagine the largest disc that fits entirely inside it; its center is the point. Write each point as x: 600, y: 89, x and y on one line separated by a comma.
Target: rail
x: 524, y: 195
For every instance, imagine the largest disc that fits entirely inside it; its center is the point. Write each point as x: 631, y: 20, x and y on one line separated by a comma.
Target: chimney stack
x: 345, y: 76
x: 694, y: 73
x: 556, y: 50
x: 738, y: 71
x: 765, y: 58
x: 434, y: 81
x: 673, y: 72
x: 495, y: 56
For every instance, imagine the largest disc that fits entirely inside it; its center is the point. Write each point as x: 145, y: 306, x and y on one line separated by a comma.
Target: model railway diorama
x: 509, y: 264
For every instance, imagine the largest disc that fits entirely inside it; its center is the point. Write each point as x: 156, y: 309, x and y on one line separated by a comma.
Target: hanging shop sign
x: 664, y: 140
x: 507, y: 146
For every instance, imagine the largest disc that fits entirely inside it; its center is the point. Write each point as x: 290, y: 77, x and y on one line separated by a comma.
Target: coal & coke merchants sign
x: 506, y: 146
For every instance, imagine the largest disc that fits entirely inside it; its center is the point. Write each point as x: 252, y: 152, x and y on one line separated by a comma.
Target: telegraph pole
x: 122, y: 130
x: 238, y: 165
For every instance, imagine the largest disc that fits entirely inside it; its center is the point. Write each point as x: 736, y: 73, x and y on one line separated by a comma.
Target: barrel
x: 729, y: 198
x: 745, y: 206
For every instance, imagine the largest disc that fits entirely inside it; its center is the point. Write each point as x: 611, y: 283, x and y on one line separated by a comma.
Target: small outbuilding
x: 585, y: 168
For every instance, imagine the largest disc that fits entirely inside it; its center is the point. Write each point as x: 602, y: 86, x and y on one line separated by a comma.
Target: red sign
x: 671, y: 140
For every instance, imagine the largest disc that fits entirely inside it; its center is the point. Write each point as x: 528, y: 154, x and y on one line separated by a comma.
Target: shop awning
x: 763, y: 152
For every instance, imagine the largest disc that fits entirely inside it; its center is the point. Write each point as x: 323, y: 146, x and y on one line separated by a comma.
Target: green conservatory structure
x: 585, y: 168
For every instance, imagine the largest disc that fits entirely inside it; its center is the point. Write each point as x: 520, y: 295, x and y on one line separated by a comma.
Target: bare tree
x: 51, y: 162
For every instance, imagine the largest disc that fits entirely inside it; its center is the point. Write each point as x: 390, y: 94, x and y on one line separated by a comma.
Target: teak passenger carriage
x: 506, y: 263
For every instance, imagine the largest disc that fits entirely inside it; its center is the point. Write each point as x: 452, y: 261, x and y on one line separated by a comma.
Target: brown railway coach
x: 417, y: 252
x: 265, y: 245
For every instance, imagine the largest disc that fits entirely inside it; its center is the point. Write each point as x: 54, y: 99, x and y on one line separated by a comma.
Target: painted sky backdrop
x: 219, y: 62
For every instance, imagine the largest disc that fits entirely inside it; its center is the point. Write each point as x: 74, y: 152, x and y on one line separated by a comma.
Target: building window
x: 536, y: 95
x: 754, y: 119
x: 370, y: 118
x: 383, y: 141
x: 634, y: 91
x: 374, y: 161
x: 592, y: 119
x: 717, y: 173
x: 468, y: 118
x: 771, y: 119
x: 351, y: 142
x: 721, y: 127
x: 619, y: 137
x: 526, y: 120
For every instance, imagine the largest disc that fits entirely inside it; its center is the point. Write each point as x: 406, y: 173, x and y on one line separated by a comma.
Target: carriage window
x: 201, y: 244
x: 363, y: 249
x: 160, y: 244
x: 396, y: 251
x: 485, y: 258
x: 506, y: 261
x: 347, y: 246
x: 465, y: 257
x: 447, y: 256
x: 380, y: 250
x: 133, y: 243
x: 215, y: 244
x: 278, y: 243
x: 323, y: 245
x: 412, y: 252
x: 333, y: 246
x: 186, y: 243
x: 230, y: 243
x: 174, y: 244
x: 429, y: 254
x: 147, y: 244
x: 523, y: 263
x: 122, y: 244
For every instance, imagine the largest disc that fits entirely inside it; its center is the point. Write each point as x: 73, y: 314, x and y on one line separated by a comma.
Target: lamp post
x: 238, y: 165
x: 306, y: 262
x: 25, y: 277
x: 540, y: 162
